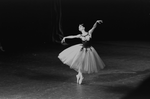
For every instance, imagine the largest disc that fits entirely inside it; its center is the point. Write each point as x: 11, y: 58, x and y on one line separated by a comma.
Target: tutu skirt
x: 80, y: 58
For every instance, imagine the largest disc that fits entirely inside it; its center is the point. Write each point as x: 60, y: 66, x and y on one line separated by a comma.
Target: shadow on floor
x: 120, y: 89
x: 141, y: 92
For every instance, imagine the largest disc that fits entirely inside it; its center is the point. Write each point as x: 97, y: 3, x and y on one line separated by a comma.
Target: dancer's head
x: 81, y: 27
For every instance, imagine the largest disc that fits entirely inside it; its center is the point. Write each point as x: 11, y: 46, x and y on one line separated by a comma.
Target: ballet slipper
x: 77, y: 76
x: 81, y: 79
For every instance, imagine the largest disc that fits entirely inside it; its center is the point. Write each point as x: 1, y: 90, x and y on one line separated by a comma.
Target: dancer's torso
x: 86, y: 40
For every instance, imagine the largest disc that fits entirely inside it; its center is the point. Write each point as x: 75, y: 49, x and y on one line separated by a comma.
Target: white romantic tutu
x: 87, y: 60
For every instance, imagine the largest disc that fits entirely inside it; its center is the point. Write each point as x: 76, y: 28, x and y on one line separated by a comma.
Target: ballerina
x: 82, y: 57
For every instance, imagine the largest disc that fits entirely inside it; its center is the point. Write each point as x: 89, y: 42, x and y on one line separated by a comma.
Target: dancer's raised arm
x: 72, y: 36
x: 94, y: 26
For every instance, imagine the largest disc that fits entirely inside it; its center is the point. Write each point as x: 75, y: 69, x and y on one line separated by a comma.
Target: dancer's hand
x: 99, y: 21
x: 63, y: 40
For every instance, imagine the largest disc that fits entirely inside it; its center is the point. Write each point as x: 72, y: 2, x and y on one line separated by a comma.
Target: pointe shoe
x: 81, y: 79
x: 77, y: 76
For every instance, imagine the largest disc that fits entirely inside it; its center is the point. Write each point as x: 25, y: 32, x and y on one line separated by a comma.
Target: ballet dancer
x: 82, y: 57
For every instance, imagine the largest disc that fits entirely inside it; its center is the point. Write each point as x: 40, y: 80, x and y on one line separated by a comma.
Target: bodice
x: 86, y: 40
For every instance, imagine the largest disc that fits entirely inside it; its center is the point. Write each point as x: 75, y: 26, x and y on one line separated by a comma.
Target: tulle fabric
x: 85, y: 59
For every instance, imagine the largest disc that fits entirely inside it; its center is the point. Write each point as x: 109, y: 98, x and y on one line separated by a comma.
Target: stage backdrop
x: 29, y: 22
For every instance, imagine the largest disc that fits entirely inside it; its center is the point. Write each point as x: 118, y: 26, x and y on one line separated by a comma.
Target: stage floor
x: 39, y: 74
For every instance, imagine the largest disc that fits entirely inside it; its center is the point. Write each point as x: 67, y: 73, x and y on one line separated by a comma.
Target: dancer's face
x: 81, y: 28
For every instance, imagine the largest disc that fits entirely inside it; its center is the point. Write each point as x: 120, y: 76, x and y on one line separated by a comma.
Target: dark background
x: 29, y: 22
x: 30, y: 60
